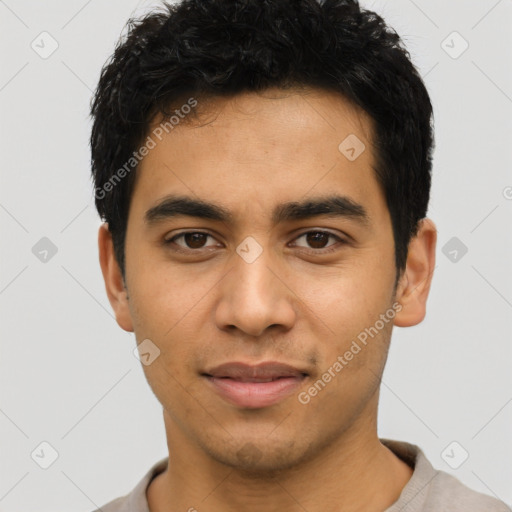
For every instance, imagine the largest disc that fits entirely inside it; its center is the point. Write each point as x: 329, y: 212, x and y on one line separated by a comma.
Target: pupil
x: 194, y: 240
x: 315, y: 239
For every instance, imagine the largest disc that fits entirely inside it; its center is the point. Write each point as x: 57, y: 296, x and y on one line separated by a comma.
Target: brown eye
x: 192, y: 240
x: 318, y: 240
x: 195, y: 240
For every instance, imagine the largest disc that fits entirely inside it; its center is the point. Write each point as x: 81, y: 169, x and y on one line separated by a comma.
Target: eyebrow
x: 334, y: 206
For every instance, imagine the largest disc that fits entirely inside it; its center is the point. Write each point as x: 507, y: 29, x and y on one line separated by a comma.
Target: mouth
x: 254, y: 387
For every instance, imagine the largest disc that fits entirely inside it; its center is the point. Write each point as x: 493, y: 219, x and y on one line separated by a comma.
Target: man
x: 263, y: 168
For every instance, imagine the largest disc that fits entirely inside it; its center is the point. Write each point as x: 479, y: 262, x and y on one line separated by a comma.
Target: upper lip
x: 268, y: 370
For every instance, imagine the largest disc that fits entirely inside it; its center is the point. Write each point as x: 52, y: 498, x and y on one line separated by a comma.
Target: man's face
x: 318, y: 283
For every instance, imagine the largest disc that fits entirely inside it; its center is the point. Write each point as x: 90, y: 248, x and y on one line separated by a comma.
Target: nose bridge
x: 252, y: 297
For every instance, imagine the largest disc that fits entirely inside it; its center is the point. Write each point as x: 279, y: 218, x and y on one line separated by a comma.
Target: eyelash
x: 177, y: 248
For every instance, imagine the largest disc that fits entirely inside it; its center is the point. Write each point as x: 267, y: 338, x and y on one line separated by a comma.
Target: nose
x: 255, y: 297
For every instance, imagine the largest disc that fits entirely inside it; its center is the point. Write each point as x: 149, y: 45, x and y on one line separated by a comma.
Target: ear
x: 114, y: 282
x: 414, y: 285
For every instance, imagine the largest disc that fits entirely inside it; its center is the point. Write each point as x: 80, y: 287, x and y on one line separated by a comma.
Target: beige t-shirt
x: 428, y: 490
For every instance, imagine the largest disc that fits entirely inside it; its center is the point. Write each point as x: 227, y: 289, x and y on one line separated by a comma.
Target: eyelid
x: 333, y: 247
x: 168, y: 241
x: 321, y: 230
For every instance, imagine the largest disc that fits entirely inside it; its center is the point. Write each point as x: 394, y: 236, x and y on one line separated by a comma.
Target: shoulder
x: 448, y: 493
x: 117, y: 505
x: 432, y: 490
x: 136, y: 500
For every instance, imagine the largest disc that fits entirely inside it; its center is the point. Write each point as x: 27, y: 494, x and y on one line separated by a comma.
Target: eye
x: 318, y: 240
x: 191, y: 240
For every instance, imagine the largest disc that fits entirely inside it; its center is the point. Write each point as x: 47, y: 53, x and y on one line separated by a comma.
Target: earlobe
x: 114, y: 283
x: 414, y: 284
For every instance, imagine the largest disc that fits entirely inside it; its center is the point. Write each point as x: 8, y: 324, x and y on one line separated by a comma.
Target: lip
x: 254, y: 386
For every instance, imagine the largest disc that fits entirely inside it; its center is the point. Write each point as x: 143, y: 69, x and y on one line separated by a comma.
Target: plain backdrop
x: 68, y: 376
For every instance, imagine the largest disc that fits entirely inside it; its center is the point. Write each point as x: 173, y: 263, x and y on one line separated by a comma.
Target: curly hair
x: 213, y: 48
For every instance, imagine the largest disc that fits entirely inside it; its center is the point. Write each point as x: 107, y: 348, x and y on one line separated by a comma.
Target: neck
x: 356, y: 472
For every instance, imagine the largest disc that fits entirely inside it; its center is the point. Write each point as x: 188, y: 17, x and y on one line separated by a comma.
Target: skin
x: 294, y: 304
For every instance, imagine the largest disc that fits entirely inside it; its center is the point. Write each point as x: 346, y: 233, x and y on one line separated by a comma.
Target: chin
x: 259, y: 458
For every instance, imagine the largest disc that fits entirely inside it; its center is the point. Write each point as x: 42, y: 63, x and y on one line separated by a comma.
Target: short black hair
x: 213, y: 48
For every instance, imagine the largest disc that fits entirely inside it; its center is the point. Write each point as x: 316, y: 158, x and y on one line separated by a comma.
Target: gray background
x: 68, y: 376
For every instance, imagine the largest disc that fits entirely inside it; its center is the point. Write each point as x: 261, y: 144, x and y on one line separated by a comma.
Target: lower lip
x: 254, y: 395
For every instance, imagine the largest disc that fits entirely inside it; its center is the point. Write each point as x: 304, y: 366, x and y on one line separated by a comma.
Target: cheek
x: 169, y: 309
x: 349, y: 296
x: 162, y: 296
x: 343, y: 318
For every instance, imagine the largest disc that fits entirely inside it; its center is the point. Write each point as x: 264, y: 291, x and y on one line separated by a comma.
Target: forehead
x: 260, y: 148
